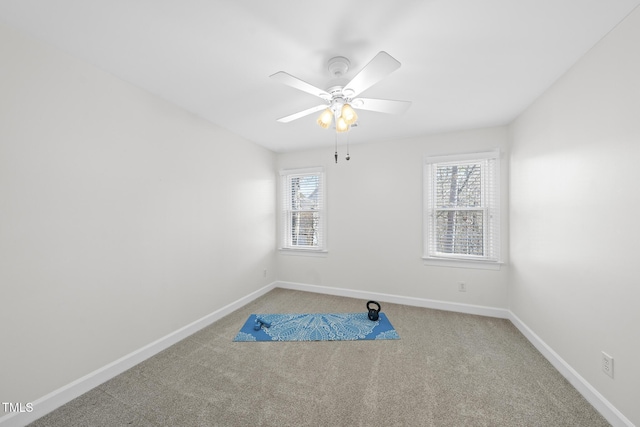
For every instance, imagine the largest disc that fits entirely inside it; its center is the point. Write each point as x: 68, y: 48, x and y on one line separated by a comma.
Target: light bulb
x: 325, y: 118
x: 349, y: 114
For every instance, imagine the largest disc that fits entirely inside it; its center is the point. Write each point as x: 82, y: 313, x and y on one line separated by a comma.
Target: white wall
x: 122, y: 218
x: 575, y: 231
x: 374, y: 204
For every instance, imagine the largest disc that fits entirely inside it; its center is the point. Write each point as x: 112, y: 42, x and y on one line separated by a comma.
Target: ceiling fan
x: 340, y: 101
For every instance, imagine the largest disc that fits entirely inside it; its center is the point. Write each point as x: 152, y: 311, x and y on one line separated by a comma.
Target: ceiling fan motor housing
x: 337, y: 99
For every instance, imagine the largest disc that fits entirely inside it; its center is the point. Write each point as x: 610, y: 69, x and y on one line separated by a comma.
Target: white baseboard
x: 602, y: 405
x: 67, y: 393
x: 397, y: 299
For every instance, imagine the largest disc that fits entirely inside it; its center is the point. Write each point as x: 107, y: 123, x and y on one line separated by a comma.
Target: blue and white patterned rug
x: 317, y: 327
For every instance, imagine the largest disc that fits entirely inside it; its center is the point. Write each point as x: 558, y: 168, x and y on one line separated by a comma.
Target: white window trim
x: 321, y: 250
x: 457, y: 260
x: 462, y: 263
x: 303, y: 252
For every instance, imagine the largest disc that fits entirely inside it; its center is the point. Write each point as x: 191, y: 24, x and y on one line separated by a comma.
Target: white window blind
x: 462, y: 207
x: 303, y: 214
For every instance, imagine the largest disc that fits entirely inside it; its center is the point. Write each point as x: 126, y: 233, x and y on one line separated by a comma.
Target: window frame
x: 285, y: 245
x: 490, y: 205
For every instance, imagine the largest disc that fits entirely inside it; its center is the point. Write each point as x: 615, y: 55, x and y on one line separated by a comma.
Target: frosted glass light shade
x: 349, y: 114
x: 341, y: 125
x: 325, y: 118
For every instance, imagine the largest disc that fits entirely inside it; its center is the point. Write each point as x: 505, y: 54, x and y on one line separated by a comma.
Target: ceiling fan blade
x: 296, y: 83
x: 381, y: 105
x: 303, y: 113
x: 377, y: 69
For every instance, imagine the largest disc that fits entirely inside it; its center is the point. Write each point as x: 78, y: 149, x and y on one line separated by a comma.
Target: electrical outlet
x: 607, y: 364
x: 462, y: 287
x: 264, y: 273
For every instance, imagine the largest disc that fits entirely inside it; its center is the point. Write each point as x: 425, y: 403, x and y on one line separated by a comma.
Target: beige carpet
x: 447, y: 369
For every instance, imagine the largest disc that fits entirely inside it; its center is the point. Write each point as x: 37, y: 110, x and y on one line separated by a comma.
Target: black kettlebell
x: 373, y: 314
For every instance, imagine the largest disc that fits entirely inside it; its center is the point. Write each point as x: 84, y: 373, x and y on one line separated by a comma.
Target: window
x: 462, y: 207
x: 303, y: 215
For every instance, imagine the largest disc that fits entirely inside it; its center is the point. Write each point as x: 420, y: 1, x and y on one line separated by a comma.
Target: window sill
x: 303, y: 252
x: 462, y: 263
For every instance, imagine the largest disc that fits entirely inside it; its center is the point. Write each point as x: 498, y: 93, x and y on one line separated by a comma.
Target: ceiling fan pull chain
x: 336, y: 154
x: 348, y: 157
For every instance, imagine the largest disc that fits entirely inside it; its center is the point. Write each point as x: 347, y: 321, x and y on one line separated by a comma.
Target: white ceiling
x: 465, y: 63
